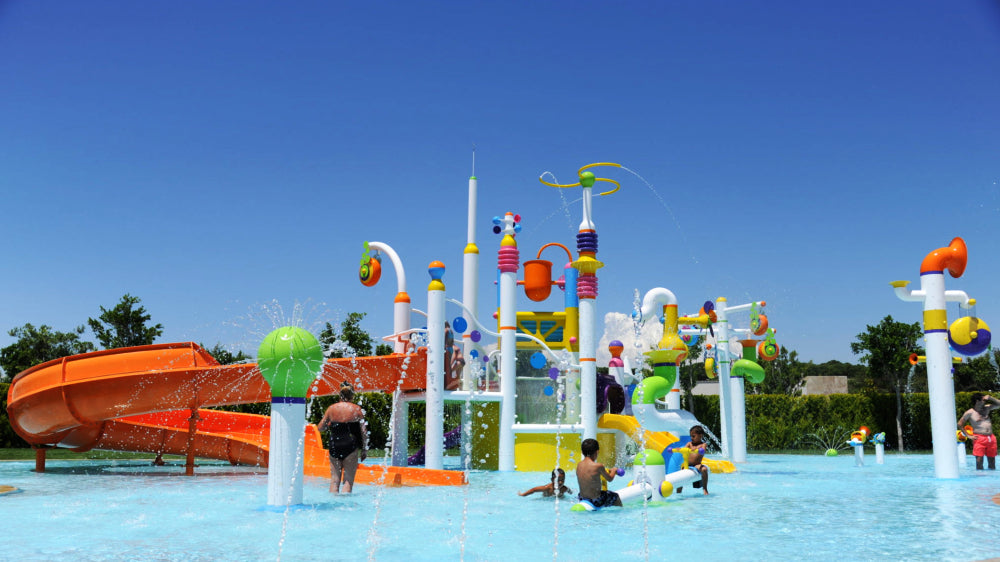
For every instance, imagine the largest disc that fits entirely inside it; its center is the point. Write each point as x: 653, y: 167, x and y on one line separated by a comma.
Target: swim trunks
x: 345, y: 438
x: 984, y: 446
x: 606, y: 498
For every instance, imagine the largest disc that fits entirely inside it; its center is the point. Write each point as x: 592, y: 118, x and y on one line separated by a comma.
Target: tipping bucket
x: 538, y: 279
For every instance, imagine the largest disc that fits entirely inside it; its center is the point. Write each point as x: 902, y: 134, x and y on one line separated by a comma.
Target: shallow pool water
x: 775, y: 507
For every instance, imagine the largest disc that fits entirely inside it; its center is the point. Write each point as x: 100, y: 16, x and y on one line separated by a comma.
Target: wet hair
x: 557, y: 474
x: 346, y: 391
x: 589, y: 447
x: 976, y: 397
x: 698, y: 429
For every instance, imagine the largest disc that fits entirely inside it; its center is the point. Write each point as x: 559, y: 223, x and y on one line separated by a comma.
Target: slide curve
x: 153, y: 399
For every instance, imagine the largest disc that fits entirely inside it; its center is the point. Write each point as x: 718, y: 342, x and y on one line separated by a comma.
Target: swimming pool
x: 775, y: 507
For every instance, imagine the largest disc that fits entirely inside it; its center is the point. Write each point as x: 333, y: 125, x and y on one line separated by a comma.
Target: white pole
x: 738, y: 435
x: 588, y: 367
x: 470, y: 284
x: 859, y: 455
x: 674, y: 396
x: 508, y: 263
x: 940, y: 386
x: 434, y: 434
x: 285, y: 453
x: 724, y: 358
x: 400, y: 434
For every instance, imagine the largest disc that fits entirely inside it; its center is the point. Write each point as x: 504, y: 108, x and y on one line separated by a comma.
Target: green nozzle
x: 290, y: 358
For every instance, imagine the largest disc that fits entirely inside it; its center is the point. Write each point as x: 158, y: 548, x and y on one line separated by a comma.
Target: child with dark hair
x: 697, y: 447
x: 556, y: 486
x: 589, y: 473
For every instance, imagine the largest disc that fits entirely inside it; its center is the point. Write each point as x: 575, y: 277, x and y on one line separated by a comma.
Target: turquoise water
x: 775, y: 507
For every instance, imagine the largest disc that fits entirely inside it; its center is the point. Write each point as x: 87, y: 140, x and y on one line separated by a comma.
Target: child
x: 697, y: 446
x: 589, y: 473
x: 549, y: 490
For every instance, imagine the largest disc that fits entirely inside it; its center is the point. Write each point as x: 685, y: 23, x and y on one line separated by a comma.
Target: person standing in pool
x: 348, y: 439
x: 589, y: 473
x: 984, y: 443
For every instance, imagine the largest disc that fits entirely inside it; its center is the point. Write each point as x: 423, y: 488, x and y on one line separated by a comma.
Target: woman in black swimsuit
x: 348, y: 437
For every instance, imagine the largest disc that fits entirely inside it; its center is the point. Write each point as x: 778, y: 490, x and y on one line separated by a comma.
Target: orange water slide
x: 153, y: 398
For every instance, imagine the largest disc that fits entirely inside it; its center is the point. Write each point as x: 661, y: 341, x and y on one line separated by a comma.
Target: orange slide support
x: 152, y: 399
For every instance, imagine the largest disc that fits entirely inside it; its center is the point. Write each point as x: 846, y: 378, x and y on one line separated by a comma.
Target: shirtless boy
x: 697, y: 446
x: 984, y: 443
x: 589, y: 473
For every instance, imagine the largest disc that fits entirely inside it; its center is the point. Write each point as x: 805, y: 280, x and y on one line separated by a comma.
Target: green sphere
x: 831, y: 452
x: 649, y: 457
x: 587, y: 179
x: 290, y: 358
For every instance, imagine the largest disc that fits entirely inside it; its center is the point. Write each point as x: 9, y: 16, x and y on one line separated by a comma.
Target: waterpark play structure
x: 967, y: 336
x: 156, y: 398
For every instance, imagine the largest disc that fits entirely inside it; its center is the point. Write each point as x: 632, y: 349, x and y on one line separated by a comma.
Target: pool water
x: 775, y: 507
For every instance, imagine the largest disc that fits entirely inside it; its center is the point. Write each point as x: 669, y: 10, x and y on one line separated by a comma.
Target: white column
x: 400, y: 435
x: 508, y: 367
x: 739, y: 417
x: 434, y: 434
x: 470, y: 286
x: 588, y: 367
x: 285, y: 451
x: 940, y: 386
x: 723, y: 356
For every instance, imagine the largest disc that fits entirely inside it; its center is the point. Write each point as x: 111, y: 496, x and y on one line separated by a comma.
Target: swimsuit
x: 984, y: 445
x: 606, y: 498
x: 345, y: 438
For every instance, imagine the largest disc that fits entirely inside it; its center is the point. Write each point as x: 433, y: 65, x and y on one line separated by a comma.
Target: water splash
x: 637, y: 370
x: 670, y: 212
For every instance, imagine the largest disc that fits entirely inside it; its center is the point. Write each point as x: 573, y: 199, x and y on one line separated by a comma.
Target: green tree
x: 784, y: 375
x: 226, y: 357
x: 886, y: 350
x: 977, y: 373
x: 38, y: 345
x: 352, y: 338
x: 124, y: 325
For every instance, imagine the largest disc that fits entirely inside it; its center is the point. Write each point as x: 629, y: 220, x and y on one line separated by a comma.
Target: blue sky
x: 224, y: 161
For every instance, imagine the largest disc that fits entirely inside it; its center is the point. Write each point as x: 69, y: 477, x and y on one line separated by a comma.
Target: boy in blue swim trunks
x: 589, y: 473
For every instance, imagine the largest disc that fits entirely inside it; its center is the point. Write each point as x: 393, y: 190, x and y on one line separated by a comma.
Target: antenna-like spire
x: 473, y: 159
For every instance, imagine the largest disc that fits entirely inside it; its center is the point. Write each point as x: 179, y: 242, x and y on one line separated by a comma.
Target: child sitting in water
x: 549, y: 490
x: 589, y: 474
x: 697, y: 447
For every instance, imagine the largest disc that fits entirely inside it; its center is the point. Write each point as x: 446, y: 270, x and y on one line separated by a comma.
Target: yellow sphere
x: 666, y: 489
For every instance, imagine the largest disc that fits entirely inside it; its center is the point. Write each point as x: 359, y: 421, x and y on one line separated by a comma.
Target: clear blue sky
x: 224, y: 160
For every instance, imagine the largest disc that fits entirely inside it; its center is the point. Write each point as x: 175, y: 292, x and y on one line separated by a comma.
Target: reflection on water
x: 775, y: 506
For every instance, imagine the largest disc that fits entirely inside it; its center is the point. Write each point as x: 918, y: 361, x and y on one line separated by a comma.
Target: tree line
x: 884, y: 351
x: 127, y: 324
